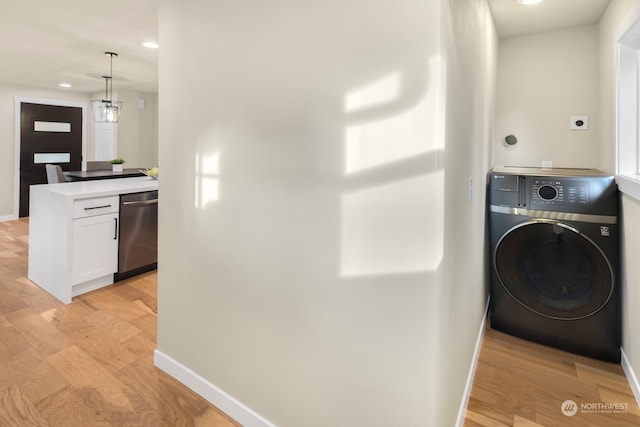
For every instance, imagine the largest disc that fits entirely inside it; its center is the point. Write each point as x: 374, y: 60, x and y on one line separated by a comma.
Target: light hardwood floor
x: 89, y: 363
x: 523, y: 384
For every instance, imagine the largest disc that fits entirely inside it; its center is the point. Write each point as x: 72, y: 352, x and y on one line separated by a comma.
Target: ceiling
x: 44, y: 43
x: 513, y: 19
x: 47, y: 42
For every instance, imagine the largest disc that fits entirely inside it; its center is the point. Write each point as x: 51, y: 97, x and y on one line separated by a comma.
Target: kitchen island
x: 73, y: 233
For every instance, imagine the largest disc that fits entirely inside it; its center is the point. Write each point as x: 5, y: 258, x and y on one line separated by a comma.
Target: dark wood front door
x: 48, y: 134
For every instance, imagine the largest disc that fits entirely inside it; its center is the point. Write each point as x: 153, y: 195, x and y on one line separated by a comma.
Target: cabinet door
x: 95, y: 247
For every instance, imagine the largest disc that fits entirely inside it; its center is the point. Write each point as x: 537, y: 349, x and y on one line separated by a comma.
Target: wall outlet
x: 579, y: 123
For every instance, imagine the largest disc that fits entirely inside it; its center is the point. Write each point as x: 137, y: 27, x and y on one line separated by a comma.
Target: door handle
x: 115, y: 232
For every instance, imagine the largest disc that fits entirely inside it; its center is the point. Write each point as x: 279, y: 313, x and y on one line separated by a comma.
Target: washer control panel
x: 567, y: 191
x: 557, y: 192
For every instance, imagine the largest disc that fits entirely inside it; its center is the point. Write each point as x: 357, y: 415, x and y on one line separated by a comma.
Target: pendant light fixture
x: 106, y: 110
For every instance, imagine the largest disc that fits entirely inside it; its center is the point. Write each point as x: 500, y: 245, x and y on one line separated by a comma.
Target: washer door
x: 553, y: 270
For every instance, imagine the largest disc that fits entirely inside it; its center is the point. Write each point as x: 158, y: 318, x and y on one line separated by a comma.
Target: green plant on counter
x: 117, y: 161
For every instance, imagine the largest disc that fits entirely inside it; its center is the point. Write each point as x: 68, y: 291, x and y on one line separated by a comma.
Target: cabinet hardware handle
x: 115, y: 233
x: 97, y: 207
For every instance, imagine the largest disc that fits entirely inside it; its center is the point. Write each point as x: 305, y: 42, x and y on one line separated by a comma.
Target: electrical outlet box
x: 579, y: 123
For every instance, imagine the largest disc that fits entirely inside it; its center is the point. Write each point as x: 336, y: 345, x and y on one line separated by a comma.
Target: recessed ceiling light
x: 529, y: 2
x: 151, y: 45
x: 64, y: 85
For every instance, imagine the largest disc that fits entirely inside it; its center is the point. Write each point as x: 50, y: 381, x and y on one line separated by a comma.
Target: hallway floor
x: 523, y: 384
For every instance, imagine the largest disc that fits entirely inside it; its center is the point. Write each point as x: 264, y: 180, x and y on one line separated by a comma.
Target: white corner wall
x: 470, y: 50
x: 315, y: 206
x: 544, y: 80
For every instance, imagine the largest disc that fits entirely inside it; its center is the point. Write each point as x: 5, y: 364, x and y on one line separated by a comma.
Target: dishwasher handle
x: 141, y: 202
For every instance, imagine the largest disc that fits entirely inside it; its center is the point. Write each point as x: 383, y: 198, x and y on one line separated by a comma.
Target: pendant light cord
x: 108, y: 89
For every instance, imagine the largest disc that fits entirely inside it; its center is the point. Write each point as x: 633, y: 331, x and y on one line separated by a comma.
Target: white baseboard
x: 631, y: 376
x: 472, y: 370
x: 223, y: 401
x: 6, y: 218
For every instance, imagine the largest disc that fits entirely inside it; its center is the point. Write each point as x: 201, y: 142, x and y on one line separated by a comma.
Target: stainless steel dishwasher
x: 138, y: 247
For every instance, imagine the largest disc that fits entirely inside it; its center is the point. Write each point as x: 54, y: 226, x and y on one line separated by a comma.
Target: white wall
x: 315, y: 207
x: 137, y: 130
x: 471, y: 50
x: 544, y: 80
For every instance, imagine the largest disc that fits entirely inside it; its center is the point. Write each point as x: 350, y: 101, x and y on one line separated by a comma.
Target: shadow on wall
x: 392, y: 214
x: 339, y: 224
x: 392, y: 207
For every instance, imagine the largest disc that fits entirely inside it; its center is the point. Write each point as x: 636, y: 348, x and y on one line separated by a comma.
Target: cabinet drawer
x: 97, y: 206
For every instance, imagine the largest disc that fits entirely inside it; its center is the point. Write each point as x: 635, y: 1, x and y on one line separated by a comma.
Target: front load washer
x: 554, y: 246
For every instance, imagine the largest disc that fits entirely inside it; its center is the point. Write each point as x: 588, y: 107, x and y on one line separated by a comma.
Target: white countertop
x: 98, y: 188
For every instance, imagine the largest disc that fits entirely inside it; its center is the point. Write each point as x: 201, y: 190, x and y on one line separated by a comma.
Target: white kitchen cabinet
x: 95, y: 247
x: 73, y: 240
x: 95, y: 239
